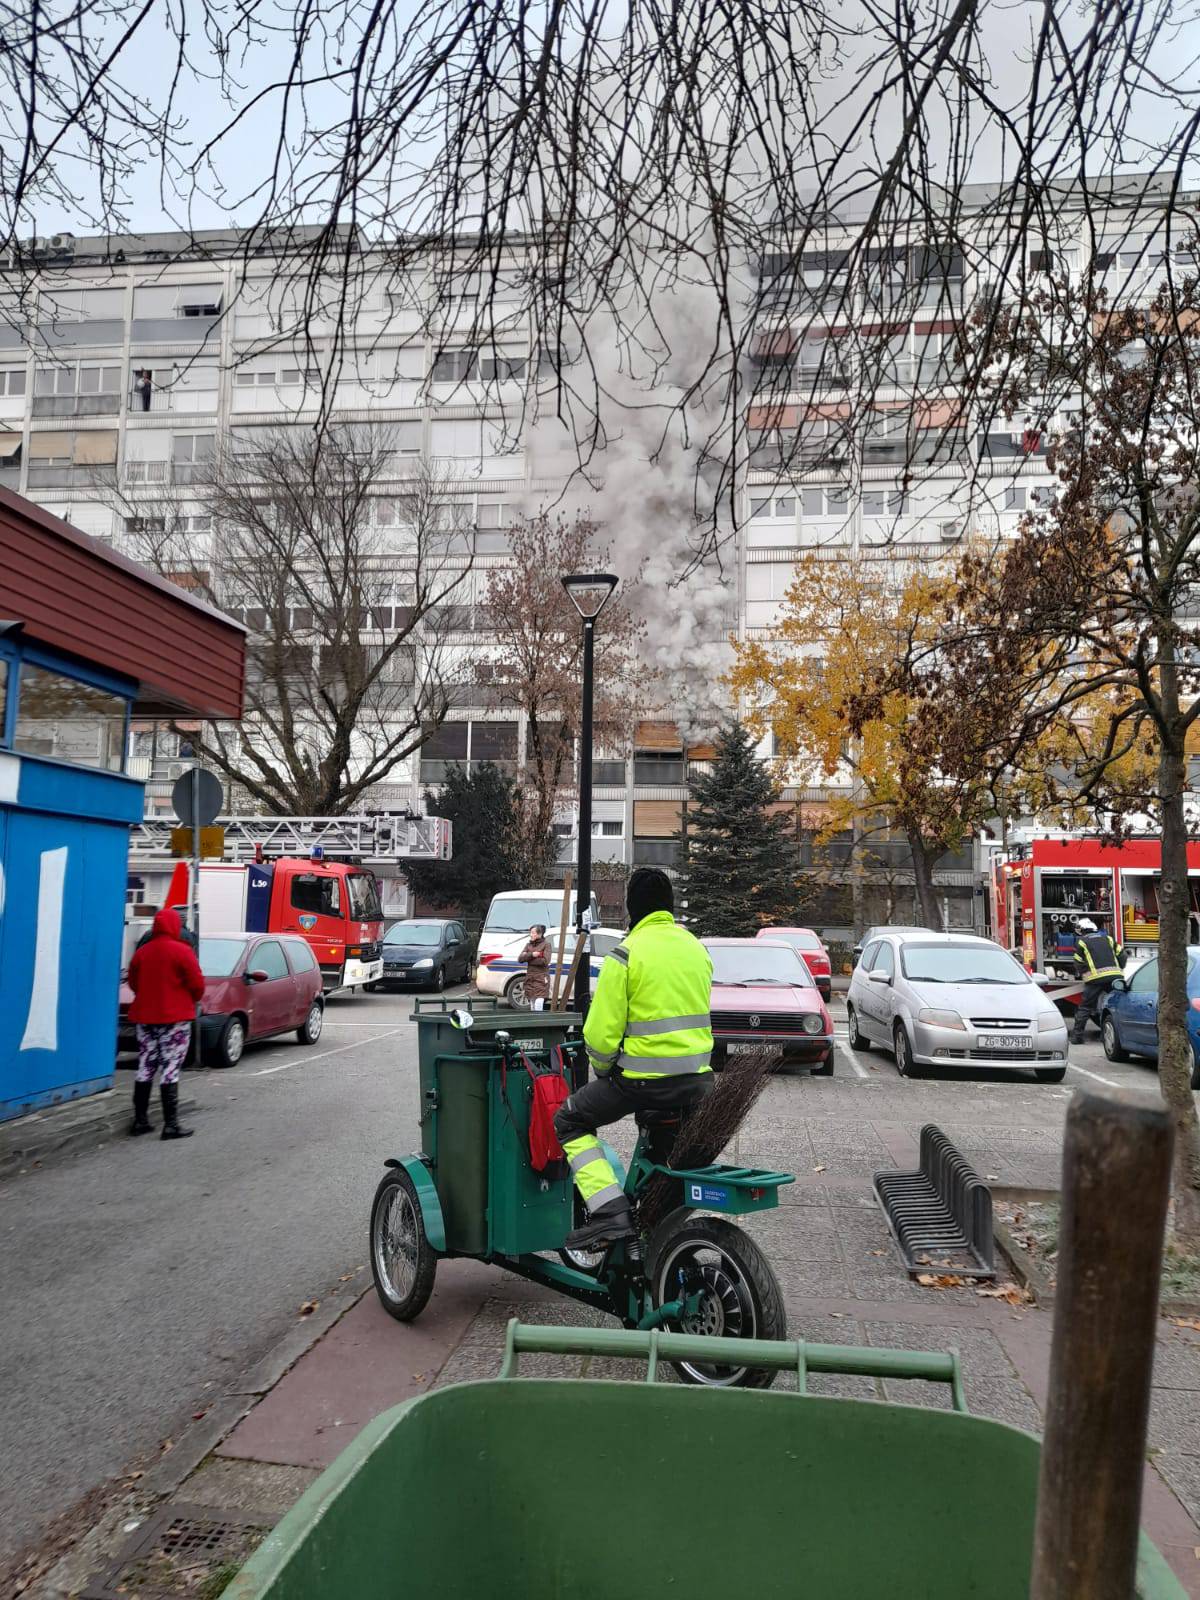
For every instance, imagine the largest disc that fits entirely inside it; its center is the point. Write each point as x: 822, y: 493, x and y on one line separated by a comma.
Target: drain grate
x: 941, y: 1215
x: 173, y: 1552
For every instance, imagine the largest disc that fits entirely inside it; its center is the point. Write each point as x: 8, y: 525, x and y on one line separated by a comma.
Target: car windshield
x: 798, y: 941
x: 960, y: 963
x: 219, y: 957
x: 414, y: 933
x: 758, y: 963
x: 518, y: 916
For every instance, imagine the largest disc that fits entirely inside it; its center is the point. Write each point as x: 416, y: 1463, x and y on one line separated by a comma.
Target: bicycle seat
x: 658, y: 1117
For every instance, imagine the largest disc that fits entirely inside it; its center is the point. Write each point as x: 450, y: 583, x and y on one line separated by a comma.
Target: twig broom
x: 710, y: 1127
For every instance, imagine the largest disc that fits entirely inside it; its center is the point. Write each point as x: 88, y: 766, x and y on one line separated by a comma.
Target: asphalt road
x: 139, y: 1276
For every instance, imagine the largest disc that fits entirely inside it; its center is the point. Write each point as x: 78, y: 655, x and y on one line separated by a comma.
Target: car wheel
x: 857, y: 1038
x: 1111, y: 1040
x: 515, y: 994
x: 904, y: 1059
x: 1050, y: 1074
x: 309, y: 1030
x: 439, y: 979
x: 824, y: 1069
x: 230, y: 1044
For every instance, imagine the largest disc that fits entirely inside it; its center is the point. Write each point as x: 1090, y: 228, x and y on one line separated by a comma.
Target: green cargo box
x: 678, y: 1491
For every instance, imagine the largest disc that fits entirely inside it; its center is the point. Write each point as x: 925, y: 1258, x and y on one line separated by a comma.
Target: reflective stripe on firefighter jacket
x: 649, y: 1015
x: 1098, y: 954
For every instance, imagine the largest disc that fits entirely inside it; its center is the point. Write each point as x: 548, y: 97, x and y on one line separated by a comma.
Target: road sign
x: 197, y: 798
x: 212, y: 843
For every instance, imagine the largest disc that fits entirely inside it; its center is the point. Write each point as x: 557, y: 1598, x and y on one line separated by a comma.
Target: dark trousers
x: 609, y: 1098
x: 1089, y: 1006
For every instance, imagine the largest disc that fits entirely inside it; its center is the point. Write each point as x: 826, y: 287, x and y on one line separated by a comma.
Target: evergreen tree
x: 488, y: 855
x: 739, y: 862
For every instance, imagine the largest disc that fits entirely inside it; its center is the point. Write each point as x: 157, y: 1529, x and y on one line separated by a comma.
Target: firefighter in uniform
x: 649, y: 1042
x: 1097, y: 955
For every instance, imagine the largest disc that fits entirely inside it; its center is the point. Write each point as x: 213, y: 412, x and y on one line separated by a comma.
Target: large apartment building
x: 134, y: 359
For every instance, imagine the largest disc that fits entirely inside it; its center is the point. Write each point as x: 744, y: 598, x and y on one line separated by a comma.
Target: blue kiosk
x: 87, y: 640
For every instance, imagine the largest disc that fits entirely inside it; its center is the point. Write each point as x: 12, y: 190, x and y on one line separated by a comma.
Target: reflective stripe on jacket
x: 1098, y: 953
x: 649, y: 1015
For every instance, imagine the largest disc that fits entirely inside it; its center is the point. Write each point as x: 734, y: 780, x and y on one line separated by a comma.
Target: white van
x: 512, y: 914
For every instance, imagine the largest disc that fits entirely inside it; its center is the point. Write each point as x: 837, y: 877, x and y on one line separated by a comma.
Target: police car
x: 506, y: 975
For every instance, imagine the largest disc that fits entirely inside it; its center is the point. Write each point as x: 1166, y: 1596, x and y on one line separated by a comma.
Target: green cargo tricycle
x: 472, y: 1191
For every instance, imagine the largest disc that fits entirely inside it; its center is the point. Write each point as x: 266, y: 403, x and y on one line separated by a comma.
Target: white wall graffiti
x: 41, y: 1022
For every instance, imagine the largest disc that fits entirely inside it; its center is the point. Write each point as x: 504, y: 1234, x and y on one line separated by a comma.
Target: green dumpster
x: 697, y: 1492
x: 473, y: 1118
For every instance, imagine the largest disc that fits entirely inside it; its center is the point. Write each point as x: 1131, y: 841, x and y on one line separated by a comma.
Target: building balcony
x: 76, y: 405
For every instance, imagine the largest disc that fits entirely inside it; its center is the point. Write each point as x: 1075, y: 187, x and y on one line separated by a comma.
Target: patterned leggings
x: 162, y: 1044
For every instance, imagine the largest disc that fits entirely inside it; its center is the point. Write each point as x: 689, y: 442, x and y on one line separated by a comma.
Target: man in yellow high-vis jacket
x: 648, y: 1040
x: 1097, y: 957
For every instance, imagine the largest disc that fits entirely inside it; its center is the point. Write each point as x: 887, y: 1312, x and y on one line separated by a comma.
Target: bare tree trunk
x: 1174, y: 1046
x: 923, y: 859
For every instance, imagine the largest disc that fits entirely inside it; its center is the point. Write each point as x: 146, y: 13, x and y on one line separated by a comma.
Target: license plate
x: 1005, y: 1041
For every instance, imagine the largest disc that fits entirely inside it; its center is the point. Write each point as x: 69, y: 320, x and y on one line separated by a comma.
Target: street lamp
x: 589, y: 592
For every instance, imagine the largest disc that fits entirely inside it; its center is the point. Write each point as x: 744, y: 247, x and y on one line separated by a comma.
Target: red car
x: 811, y: 950
x: 255, y: 985
x: 762, y: 993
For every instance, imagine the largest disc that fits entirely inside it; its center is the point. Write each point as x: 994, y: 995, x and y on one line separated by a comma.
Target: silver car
x: 953, y: 1000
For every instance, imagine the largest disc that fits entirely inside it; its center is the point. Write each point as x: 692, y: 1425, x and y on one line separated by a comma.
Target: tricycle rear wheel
x: 739, y: 1293
x: 403, y: 1262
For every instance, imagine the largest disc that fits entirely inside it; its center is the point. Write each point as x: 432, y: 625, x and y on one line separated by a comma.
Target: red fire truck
x: 1044, y: 886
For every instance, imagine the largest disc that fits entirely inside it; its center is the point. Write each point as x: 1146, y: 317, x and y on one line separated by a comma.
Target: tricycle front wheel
x: 403, y: 1262
x: 736, y: 1295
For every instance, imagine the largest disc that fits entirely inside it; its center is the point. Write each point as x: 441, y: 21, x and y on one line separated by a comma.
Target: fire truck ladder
x: 367, y: 838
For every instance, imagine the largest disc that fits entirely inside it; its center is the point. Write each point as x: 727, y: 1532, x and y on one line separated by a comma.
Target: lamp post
x: 589, y: 593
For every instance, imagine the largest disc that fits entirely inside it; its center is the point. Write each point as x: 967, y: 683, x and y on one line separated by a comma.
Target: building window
x: 658, y: 767
x: 884, y: 503
x: 12, y: 380
x: 71, y: 721
x: 655, y: 852
x: 191, y: 455
x: 608, y: 774
x: 773, y: 506
x: 1014, y: 499
x: 607, y: 829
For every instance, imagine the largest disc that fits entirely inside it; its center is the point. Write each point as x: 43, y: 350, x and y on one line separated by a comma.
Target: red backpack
x: 549, y: 1087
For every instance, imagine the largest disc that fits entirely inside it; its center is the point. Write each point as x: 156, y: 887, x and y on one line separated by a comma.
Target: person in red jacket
x: 167, y: 984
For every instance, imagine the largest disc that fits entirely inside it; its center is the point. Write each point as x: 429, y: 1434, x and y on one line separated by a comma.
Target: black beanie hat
x: 649, y: 889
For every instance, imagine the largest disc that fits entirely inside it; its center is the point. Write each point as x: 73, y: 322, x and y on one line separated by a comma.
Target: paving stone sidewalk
x: 843, y: 1283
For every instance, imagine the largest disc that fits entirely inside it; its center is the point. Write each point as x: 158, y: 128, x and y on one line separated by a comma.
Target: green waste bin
x: 699, y: 1492
x: 473, y: 1121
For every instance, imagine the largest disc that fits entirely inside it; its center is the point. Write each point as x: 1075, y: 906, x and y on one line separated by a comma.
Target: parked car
x: 953, y: 1000
x: 1129, y: 1013
x: 762, y: 993
x: 876, y: 933
x: 256, y: 985
x: 425, y: 953
x: 811, y: 950
x: 506, y: 975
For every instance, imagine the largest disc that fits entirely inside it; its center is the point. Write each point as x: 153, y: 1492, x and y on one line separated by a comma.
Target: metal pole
x: 583, y: 874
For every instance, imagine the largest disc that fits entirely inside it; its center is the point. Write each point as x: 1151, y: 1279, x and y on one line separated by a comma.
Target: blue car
x: 1129, y: 1014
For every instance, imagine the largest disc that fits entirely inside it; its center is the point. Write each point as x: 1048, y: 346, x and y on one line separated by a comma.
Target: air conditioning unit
x: 176, y: 769
x: 950, y: 530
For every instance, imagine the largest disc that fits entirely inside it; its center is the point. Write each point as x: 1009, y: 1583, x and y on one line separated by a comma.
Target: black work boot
x: 613, y: 1220
x: 141, y: 1109
x: 170, y: 1106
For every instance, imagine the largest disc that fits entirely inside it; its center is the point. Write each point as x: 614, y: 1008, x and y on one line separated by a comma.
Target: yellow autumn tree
x: 840, y: 683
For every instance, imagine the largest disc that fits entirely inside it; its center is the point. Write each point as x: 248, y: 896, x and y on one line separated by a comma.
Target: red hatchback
x: 762, y: 993
x: 811, y: 951
x: 255, y: 985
